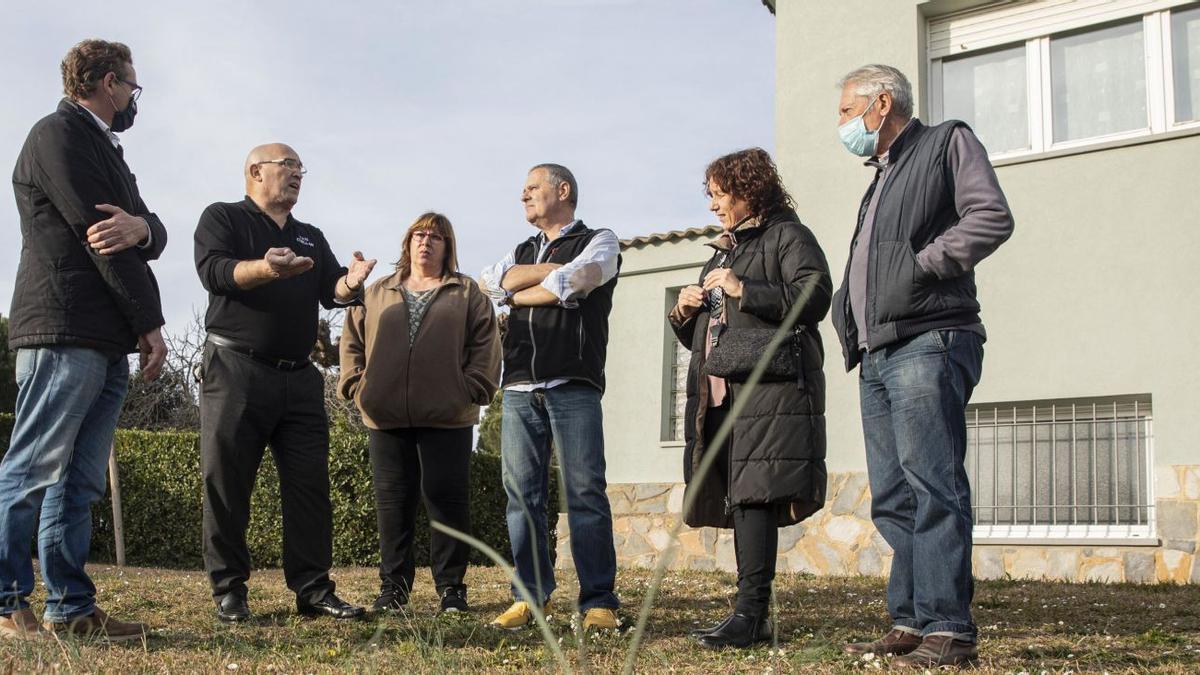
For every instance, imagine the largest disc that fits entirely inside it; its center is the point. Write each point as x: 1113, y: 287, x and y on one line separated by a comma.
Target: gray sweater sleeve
x: 985, y: 221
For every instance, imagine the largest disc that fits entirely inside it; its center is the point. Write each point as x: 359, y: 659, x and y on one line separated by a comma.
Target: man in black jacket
x: 907, y: 314
x: 84, y: 298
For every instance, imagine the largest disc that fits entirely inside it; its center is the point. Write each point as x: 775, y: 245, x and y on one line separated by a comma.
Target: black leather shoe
x: 700, y: 632
x: 740, y: 631
x: 391, y: 599
x: 233, y: 608
x: 330, y: 605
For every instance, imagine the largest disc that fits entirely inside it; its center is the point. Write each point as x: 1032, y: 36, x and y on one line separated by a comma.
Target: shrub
x: 161, y: 503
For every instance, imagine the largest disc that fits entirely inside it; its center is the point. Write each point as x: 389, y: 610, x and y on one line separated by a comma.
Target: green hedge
x: 161, y: 503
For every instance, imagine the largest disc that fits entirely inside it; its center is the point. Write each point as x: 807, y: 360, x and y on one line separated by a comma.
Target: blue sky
x: 402, y: 107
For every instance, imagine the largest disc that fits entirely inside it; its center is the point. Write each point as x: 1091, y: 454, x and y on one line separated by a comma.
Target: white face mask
x: 856, y: 137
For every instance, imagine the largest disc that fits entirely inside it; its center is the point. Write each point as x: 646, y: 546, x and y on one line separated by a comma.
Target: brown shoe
x: 21, y: 625
x: 100, y: 626
x: 894, y: 643
x: 937, y: 651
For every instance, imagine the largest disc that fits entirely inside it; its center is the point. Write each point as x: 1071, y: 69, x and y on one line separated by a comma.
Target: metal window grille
x: 1061, y: 468
x: 676, y: 388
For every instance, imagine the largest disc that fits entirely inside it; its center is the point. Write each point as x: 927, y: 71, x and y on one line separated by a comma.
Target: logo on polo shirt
x: 301, y: 239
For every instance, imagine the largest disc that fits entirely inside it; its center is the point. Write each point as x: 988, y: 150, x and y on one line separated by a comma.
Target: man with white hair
x: 907, y: 315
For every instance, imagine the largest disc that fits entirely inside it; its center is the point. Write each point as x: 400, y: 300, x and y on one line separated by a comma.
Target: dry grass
x: 1025, y: 626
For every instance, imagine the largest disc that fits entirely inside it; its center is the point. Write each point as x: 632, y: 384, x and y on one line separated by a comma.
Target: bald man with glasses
x: 266, y: 273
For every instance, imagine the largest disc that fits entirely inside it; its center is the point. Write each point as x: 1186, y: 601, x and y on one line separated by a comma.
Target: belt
x: 234, y: 346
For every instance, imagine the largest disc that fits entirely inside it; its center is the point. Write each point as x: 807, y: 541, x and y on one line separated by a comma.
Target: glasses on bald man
x: 287, y: 163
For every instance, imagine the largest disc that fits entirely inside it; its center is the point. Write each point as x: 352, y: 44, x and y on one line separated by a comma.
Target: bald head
x: 267, y: 152
x: 272, y: 183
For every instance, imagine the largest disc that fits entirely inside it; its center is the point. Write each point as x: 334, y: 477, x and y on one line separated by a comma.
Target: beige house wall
x: 1092, y: 296
x: 633, y: 401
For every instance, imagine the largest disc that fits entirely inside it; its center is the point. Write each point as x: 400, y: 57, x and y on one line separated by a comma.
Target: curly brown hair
x: 88, y: 62
x: 750, y: 175
x: 433, y: 222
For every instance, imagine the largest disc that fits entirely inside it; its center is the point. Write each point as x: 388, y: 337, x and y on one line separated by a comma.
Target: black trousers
x: 755, y: 533
x: 246, y: 405
x: 407, y: 464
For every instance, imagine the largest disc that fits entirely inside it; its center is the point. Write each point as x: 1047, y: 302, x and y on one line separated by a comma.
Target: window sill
x: 671, y: 444
x: 1065, y: 535
x: 1151, y: 542
x: 1097, y: 147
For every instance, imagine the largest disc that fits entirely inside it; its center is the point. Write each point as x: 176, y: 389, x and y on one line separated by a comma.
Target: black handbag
x: 735, y: 352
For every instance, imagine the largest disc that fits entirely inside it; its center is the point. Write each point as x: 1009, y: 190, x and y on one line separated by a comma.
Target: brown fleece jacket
x: 450, y: 370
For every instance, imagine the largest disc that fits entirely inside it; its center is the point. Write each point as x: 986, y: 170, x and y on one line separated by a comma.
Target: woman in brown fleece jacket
x: 419, y: 357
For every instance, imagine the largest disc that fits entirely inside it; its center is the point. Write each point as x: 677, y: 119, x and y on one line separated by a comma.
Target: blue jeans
x: 68, y: 399
x: 569, y: 416
x: 914, y: 396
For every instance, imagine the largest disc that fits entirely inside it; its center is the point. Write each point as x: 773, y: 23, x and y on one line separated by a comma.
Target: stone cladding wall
x: 840, y: 539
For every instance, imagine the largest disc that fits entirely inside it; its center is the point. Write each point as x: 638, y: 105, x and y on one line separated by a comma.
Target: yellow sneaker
x: 600, y: 618
x: 518, y: 616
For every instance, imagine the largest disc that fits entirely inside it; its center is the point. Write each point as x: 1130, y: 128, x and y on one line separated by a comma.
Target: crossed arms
x: 554, y: 284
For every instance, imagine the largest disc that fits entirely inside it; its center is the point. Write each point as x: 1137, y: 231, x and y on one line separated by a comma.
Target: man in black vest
x: 907, y: 316
x: 265, y: 273
x: 84, y: 298
x: 559, y: 285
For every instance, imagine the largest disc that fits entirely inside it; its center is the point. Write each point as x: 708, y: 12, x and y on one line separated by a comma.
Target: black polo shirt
x: 278, y: 318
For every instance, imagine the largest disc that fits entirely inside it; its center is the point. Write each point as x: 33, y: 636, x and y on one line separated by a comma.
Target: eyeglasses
x: 287, y: 163
x: 433, y: 237
x: 137, y: 88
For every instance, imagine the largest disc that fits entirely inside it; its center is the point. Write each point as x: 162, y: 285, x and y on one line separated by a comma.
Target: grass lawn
x: 1024, y: 626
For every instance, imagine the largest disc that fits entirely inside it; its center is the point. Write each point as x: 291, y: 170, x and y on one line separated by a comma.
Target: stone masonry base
x: 840, y: 539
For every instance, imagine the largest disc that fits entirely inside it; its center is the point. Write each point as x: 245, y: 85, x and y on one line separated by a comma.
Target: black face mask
x: 124, y: 119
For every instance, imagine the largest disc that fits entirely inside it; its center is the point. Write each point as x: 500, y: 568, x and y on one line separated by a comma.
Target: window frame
x: 1143, y: 533
x: 666, y: 429
x: 1160, y: 84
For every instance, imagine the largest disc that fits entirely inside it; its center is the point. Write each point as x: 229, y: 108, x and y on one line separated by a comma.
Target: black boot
x: 739, y: 630
x: 700, y: 632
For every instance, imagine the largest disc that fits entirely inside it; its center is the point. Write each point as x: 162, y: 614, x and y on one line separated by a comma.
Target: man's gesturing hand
x: 283, y: 263
x: 358, y: 271
x: 118, y: 232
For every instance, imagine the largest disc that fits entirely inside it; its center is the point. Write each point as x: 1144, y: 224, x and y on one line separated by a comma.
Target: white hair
x: 874, y: 79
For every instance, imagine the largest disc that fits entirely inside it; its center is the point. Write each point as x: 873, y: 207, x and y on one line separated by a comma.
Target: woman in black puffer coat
x: 770, y: 470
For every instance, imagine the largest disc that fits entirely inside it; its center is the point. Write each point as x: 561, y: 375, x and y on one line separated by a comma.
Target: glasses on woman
x: 433, y: 237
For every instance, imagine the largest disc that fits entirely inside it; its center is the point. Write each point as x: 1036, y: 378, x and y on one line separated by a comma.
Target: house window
x: 1061, y: 468
x: 1185, y: 56
x: 1038, y: 75
x: 1098, y: 82
x: 989, y: 89
x: 675, y: 368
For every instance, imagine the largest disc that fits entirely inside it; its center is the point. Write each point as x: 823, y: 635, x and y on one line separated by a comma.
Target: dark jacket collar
x: 751, y: 227
x: 249, y: 205
x: 78, y: 112
x: 904, y: 139
x: 577, y: 229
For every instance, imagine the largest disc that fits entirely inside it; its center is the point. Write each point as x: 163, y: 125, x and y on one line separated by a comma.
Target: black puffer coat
x: 777, y: 454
